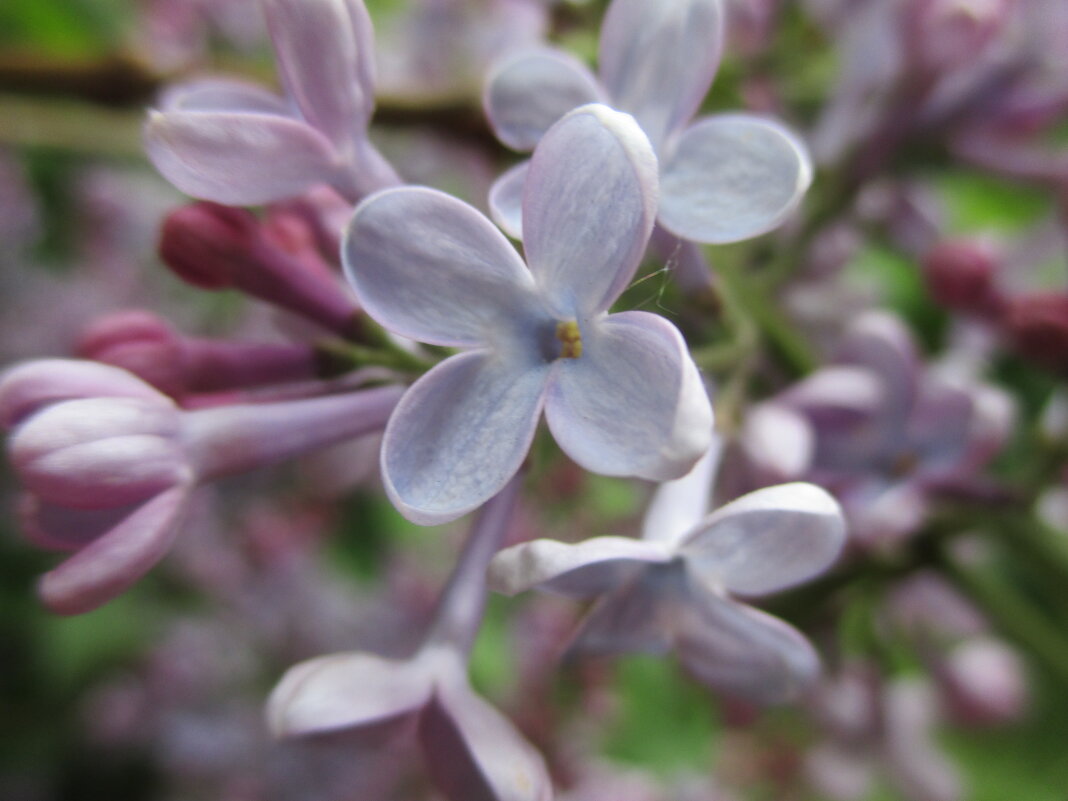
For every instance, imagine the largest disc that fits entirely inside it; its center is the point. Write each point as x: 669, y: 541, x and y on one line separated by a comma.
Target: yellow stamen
x: 570, y: 339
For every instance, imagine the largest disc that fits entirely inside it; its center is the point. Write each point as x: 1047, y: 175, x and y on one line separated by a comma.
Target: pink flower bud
x: 178, y: 366
x: 960, y: 275
x: 217, y: 247
x: 984, y: 683
x: 1037, y: 325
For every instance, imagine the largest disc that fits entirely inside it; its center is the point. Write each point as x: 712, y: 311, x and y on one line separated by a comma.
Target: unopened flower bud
x: 217, y: 247
x: 960, y: 275
x: 1037, y: 325
x: 178, y: 365
x: 984, y: 683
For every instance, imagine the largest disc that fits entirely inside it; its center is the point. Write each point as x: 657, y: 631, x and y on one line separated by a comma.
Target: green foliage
x: 666, y: 722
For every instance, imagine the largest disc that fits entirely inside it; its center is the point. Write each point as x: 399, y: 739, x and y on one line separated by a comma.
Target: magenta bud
x: 217, y: 247
x: 961, y: 274
x: 1037, y: 325
x: 208, y: 245
x: 178, y: 365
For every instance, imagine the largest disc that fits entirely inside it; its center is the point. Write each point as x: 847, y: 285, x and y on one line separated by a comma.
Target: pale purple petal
x: 778, y: 441
x: 916, y: 766
x: 638, y: 617
x: 506, y: 199
x: 60, y: 528
x: 430, y: 267
x: 27, y: 387
x: 880, y: 342
x: 936, y: 432
x: 579, y: 570
x: 732, y: 177
x: 324, y: 56
x: 881, y: 516
x: 221, y: 94
x: 844, y: 406
x: 527, y: 93
x: 657, y: 59
x: 346, y: 690
x: 98, y: 452
x: 742, y: 651
x: 110, y: 564
x: 767, y: 540
x: 679, y: 505
x: 474, y: 753
x: 633, y: 404
x: 238, y: 158
x: 459, y: 433
x: 589, y: 204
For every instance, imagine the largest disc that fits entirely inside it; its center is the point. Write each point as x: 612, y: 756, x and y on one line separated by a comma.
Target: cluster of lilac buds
x: 814, y: 397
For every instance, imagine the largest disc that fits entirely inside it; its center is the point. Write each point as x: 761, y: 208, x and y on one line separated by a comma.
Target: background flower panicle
x: 785, y: 280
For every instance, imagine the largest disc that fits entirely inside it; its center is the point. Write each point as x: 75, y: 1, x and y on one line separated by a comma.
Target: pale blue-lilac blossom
x: 472, y: 752
x: 724, y: 178
x: 891, y: 433
x: 620, y: 392
x: 238, y: 144
x: 109, y: 464
x: 672, y: 589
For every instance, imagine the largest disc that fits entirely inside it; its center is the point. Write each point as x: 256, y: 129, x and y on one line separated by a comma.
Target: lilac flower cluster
x: 800, y: 451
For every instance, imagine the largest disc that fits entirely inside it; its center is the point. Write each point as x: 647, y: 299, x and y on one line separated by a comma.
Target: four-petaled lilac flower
x: 621, y: 394
x: 237, y: 144
x: 724, y: 178
x: 889, y: 433
x: 672, y: 589
x: 109, y: 463
x: 472, y: 752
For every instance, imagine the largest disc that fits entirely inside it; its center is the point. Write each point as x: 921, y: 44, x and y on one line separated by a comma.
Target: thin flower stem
x: 347, y: 355
x: 1016, y: 618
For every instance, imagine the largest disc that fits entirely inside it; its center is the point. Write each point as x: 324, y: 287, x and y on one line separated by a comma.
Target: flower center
x: 570, y: 339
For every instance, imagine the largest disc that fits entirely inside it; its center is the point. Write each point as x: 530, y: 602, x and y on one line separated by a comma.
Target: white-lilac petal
x: 238, y: 158
x: 474, y: 753
x: 222, y: 94
x: 506, y: 199
x: 98, y: 452
x: 778, y: 441
x: 732, y: 177
x: 27, y: 387
x: 634, y: 403
x: 636, y: 617
x: 880, y: 342
x: 589, y: 204
x: 324, y: 56
x: 345, y: 690
x: 459, y: 433
x: 679, y: 505
x: 579, y: 570
x: 110, y: 564
x: 525, y: 94
x: 430, y: 267
x: 768, y: 540
x: 742, y: 651
x: 657, y: 59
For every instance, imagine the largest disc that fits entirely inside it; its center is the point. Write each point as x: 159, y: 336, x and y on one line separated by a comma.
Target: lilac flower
x: 876, y: 728
x: 237, y: 144
x: 890, y: 434
x: 724, y: 178
x: 620, y: 392
x: 472, y: 752
x: 109, y: 464
x: 672, y: 589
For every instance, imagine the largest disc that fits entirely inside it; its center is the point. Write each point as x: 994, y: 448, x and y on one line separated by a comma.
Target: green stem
x: 751, y: 301
x: 340, y: 354
x: 1016, y: 618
